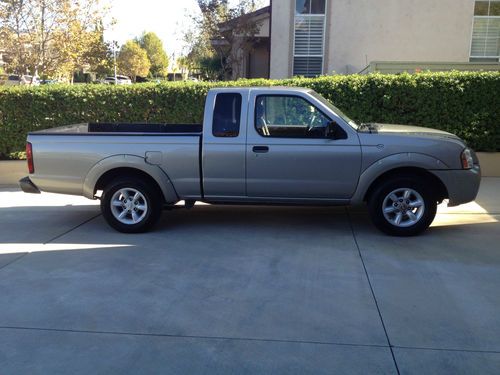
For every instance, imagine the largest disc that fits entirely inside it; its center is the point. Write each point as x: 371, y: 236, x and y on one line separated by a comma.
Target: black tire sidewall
x: 152, y: 198
x: 377, y: 198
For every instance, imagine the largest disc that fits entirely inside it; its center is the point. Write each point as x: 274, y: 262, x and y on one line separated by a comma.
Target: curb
x: 11, y: 171
x: 490, y: 163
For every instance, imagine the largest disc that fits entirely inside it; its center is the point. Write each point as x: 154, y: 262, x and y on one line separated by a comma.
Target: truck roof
x: 262, y: 88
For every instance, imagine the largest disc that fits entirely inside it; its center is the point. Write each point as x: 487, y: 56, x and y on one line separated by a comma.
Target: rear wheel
x: 131, y: 206
x: 402, y: 206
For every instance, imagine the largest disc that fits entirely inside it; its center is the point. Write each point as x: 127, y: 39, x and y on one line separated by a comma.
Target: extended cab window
x: 289, y: 117
x: 227, y: 113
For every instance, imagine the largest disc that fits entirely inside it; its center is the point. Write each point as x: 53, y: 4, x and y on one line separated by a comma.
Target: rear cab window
x: 227, y: 114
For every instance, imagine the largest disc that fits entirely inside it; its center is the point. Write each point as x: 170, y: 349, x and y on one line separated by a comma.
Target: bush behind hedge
x: 464, y: 103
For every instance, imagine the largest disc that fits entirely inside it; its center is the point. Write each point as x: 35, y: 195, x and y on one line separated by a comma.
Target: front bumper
x: 462, y: 184
x: 28, y: 186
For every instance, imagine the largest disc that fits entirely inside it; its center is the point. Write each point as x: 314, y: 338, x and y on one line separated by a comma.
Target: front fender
x: 129, y: 161
x: 402, y: 160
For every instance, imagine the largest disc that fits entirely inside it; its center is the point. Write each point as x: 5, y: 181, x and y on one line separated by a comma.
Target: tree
x: 210, y: 45
x: 185, y: 65
x: 100, y: 56
x: 133, y: 60
x: 156, y: 54
x: 50, y: 37
x: 84, y: 50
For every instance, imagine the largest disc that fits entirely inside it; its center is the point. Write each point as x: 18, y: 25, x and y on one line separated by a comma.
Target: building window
x: 309, y: 37
x: 485, y: 45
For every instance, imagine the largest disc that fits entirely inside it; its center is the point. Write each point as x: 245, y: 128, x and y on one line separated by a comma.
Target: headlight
x: 467, y: 160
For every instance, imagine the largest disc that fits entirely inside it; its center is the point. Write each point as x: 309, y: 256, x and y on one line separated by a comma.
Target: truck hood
x: 392, y: 129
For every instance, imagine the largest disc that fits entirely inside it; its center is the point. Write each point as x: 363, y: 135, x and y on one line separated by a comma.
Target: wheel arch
x: 116, y: 173
x: 128, y: 165
x: 438, y: 186
x: 409, y: 162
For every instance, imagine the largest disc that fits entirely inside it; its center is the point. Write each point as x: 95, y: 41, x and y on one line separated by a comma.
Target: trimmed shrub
x: 463, y: 103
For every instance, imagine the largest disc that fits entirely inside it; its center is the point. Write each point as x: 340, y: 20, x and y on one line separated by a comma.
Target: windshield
x: 337, y: 111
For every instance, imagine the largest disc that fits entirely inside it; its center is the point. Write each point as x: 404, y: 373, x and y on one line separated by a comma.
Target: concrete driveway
x: 247, y: 290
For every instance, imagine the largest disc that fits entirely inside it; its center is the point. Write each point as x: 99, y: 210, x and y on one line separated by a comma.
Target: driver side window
x: 288, y: 116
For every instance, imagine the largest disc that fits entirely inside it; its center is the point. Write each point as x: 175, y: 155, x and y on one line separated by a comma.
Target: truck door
x: 223, y: 149
x: 289, y: 153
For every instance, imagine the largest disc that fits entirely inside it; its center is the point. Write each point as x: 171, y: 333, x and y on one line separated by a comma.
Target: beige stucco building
x: 313, y: 37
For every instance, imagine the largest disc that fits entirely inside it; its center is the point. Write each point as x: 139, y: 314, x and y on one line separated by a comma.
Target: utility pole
x: 115, y: 44
x: 173, y: 65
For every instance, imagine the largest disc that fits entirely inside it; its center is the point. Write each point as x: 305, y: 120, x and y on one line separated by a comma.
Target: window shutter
x: 486, y: 37
x: 307, y: 66
x: 308, y: 48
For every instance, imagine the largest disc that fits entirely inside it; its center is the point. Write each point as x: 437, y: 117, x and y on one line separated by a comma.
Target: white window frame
x: 323, y: 41
x: 497, y: 57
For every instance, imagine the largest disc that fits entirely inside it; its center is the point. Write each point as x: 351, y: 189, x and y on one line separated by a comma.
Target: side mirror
x: 334, y: 131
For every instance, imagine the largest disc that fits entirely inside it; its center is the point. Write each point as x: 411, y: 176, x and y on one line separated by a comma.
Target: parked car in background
x: 16, y: 80
x: 257, y: 145
x: 49, y: 82
x: 120, y: 80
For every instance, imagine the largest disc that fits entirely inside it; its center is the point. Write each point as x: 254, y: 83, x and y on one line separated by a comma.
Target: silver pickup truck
x: 264, y: 145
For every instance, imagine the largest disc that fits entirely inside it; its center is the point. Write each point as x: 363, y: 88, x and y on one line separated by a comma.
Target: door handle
x: 260, y: 149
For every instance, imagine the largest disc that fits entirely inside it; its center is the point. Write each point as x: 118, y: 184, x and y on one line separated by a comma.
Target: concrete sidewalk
x: 247, y: 290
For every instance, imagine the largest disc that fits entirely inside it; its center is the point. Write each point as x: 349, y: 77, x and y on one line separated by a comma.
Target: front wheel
x: 131, y: 206
x: 402, y: 206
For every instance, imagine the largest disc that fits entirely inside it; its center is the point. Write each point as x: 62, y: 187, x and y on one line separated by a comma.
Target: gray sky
x: 167, y: 18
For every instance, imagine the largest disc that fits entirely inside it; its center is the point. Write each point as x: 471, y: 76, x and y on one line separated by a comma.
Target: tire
x: 402, y: 206
x: 129, y: 205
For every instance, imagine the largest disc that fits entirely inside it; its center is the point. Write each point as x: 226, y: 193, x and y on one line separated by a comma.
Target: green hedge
x: 467, y: 104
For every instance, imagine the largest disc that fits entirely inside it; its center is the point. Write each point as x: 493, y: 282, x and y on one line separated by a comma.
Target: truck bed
x: 65, y: 156
x: 105, y: 128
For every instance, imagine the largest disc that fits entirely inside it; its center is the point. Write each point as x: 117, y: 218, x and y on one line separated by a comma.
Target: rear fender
x: 129, y: 161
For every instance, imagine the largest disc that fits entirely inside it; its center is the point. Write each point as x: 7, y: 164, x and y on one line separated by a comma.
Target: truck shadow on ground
x: 223, y: 225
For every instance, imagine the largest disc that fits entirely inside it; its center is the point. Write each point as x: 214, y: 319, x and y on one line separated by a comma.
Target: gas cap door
x: 153, y: 157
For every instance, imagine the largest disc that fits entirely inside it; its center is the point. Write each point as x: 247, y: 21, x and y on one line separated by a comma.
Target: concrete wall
x: 263, y: 24
x: 281, y: 38
x: 361, y: 31
x: 397, y: 30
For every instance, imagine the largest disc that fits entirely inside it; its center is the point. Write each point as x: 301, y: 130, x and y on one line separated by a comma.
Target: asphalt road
x: 247, y: 290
